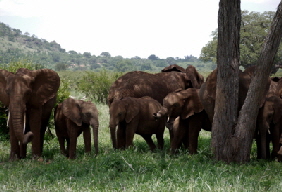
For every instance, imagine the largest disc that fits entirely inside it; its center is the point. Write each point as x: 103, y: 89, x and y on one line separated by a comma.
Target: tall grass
x: 134, y: 169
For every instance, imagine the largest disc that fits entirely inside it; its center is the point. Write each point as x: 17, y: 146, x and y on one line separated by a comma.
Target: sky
x: 126, y: 28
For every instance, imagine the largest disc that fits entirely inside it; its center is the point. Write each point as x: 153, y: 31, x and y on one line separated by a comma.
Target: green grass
x: 134, y: 169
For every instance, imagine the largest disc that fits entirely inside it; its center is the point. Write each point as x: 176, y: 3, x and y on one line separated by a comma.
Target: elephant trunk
x: 161, y: 113
x: 17, y: 122
x: 113, y: 133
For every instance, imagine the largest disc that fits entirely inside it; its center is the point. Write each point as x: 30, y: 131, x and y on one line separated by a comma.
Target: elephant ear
x: 211, y: 84
x: 193, y: 75
x: 4, y: 98
x: 71, y: 109
x: 193, y: 104
x: 132, y: 109
x: 45, y: 85
x: 277, y: 108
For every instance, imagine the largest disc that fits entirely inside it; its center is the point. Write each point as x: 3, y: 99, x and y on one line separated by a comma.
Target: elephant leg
x: 34, y: 117
x: 62, y: 145
x: 193, y: 133
x: 275, y: 140
x: 178, y: 135
x: 68, y: 147
x: 15, y: 147
x: 121, y: 137
x: 129, y: 135
x: 149, y: 141
x: 73, y: 139
x: 268, y: 140
x: 87, y: 139
x: 23, y: 148
x: 160, y: 139
x: 258, y: 143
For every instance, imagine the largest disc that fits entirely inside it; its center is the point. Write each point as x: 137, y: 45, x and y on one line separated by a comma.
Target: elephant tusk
x: 24, y: 122
x: 168, y: 119
x: 8, y: 119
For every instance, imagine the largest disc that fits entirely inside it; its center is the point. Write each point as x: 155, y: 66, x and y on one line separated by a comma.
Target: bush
x: 3, y: 124
x: 13, y: 66
x: 96, y: 85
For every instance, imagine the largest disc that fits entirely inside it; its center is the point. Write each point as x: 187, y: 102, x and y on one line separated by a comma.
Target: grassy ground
x: 135, y: 169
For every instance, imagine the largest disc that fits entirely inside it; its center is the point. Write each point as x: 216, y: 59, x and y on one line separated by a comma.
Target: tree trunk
x: 227, y: 89
x: 232, y: 140
x: 247, y: 120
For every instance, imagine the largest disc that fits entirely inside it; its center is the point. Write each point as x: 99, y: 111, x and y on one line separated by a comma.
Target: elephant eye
x: 28, y: 92
x: 7, y: 91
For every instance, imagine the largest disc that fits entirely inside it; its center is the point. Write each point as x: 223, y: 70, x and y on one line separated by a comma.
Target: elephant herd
x: 139, y: 103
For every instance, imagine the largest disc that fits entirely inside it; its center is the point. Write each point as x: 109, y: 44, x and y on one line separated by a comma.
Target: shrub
x: 13, y: 66
x: 95, y: 85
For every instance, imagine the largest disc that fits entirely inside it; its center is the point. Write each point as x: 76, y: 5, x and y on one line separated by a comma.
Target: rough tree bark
x: 227, y: 90
x: 231, y: 137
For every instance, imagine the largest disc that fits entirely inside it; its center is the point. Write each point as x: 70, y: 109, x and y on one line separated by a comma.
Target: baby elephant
x: 72, y: 117
x: 134, y: 115
x: 186, y: 108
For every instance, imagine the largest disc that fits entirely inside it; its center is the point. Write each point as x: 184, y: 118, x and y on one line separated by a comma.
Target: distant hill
x: 13, y: 39
x: 16, y: 45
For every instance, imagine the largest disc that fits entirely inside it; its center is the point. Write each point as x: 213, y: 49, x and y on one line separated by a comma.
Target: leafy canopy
x: 254, y: 28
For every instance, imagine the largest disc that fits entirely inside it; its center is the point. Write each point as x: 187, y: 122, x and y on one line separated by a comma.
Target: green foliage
x: 95, y: 85
x: 253, y: 32
x: 124, y: 65
x: 14, y: 65
x: 3, y: 124
x: 60, y: 66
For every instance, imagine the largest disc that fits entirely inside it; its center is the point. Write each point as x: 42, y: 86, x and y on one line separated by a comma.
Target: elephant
x: 30, y: 96
x: 269, y: 127
x: 269, y: 122
x: 134, y: 115
x: 207, y: 92
x: 138, y: 84
x: 190, y: 116
x: 72, y: 117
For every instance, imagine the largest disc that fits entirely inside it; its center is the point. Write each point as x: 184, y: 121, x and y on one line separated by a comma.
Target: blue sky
x: 125, y: 27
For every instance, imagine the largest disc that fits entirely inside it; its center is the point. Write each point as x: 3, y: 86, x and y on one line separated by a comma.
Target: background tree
x: 124, y: 65
x: 60, y: 67
x: 87, y: 54
x: 170, y: 60
x: 105, y: 54
x: 254, y: 28
x: 153, y: 57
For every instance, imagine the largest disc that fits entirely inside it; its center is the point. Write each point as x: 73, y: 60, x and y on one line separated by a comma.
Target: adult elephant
x: 138, y: 84
x: 72, y: 117
x: 134, y: 115
x: 186, y: 107
x: 208, y: 90
x: 30, y: 96
x: 269, y: 122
